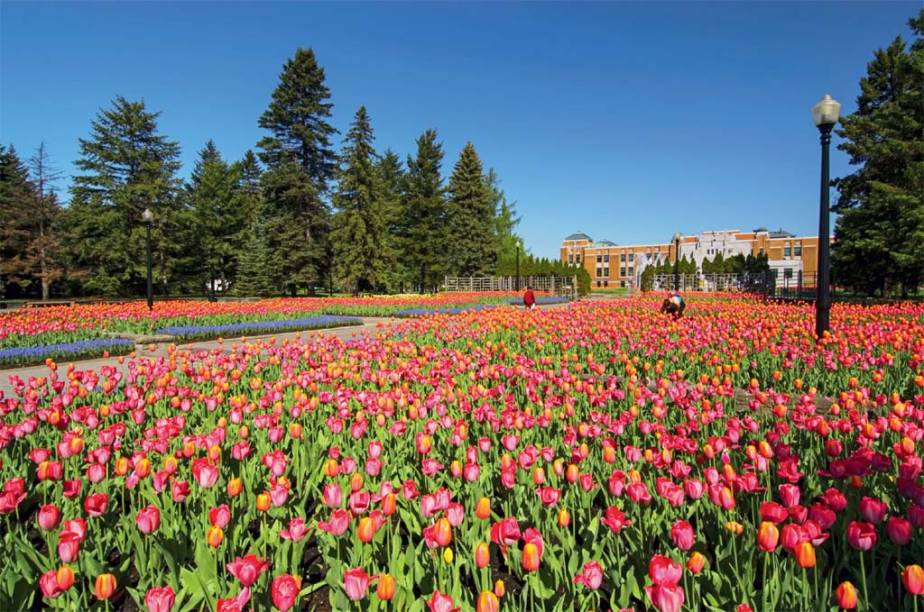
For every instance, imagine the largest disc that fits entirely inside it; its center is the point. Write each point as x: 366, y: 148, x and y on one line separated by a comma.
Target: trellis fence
x: 556, y: 285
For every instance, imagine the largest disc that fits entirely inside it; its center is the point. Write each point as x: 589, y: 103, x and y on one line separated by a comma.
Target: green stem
x: 863, y: 580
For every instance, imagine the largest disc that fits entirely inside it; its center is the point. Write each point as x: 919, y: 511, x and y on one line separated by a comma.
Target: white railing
x: 556, y: 285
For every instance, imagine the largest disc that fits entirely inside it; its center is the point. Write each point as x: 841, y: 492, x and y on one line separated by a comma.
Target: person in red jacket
x: 529, y: 298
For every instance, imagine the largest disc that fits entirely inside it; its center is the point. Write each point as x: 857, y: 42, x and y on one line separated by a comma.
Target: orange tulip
x: 805, y: 554
x: 64, y: 577
x: 105, y: 586
x: 235, y: 486
x: 389, y: 504
x: 564, y: 518
x: 263, y: 502
x: 913, y: 579
x: 530, y: 560
x: 365, y: 531
x: 483, y: 509
x: 214, y: 536
x: 487, y: 602
x: 499, y: 588
x: 482, y: 555
x: 696, y: 562
x: 386, y: 588
x: 846, y: 595
x: 443, y: 532
x: 768, y: 536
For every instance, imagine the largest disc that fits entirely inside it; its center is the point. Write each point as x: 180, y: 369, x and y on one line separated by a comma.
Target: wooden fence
x: 556, y: 285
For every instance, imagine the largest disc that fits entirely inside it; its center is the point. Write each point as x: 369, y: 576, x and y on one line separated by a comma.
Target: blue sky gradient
x: 628, y: 121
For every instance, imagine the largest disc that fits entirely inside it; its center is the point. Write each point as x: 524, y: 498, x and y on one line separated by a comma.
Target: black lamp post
x: 518, y: 265
x: 677, y: 238
x: 148, y: 217
x: 825, y: 115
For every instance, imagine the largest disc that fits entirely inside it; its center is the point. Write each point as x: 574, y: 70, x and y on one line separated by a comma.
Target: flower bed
x: 583, y: 458
x: 200, y: 332
x: 82, y: 349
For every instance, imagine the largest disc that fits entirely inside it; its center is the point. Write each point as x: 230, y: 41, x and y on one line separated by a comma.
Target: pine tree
x: 17, y: 198
x: 255, y: 276
x: 472, y: 238
x: 220, y: 216
x: 505, y: 223
x: 127, y: 167
x: 424, y: 206
x: 44, y: 250
x: 300, y: 163
x: 358, y: 238
x: 390, y: 174
x: 880, y: 228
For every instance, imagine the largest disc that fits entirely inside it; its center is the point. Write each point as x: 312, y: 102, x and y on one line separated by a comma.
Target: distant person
x: 529, y: 298
x: 673, y: 305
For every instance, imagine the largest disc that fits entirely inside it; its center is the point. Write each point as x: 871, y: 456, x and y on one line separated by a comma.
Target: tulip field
x: 592, y: 456
x: 30, y: 335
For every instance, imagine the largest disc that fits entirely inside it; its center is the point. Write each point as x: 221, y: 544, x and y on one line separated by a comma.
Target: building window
x: 606, y: 272
x: 760, y: 252
x: 598, y: 283
x: 631, y: 271
x: 787, y: 251
x: 599, y: 258
x: 622, y: 271
x: 787, y: 273
x: 570, y: 258
x: 577, y: 258
x: 606, y: 258
x: 622, y: 257
x: 606, y: 283
x: 798, y: 250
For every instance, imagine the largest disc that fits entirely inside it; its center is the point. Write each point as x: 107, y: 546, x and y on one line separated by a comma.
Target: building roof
x: 781, y: 233
x: 578, y: 236
x: 605, y: 243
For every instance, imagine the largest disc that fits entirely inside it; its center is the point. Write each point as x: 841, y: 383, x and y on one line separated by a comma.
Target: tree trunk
x: 43, y: 263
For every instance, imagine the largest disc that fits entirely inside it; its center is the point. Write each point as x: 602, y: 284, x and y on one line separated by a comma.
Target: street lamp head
x: 147, y: 215
x: 826, y: 112
x: 677, y: 237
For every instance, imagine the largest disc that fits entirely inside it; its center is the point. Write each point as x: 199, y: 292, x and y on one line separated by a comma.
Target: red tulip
x: 873, y: 510
x: 682, y: 535
x: 220, y: 516
x: 615, y: 519
x: 440, y: 602
x: 247, y: 568
x: 356, y: 583
x: 49, y: 516
x: 861, y: 536
x: 95, y: 504
x: 296, y: 530
x: 148, y: 519
x: 899, y: 530
x: 664, y: 570
x: 790, y: 495
x: 338, y: 523
x: 666, y: 598
x: 68, y: 546
x: 160, y: 599
x: 284, y: 591
x: 505, y: 533
x: 591, y: 575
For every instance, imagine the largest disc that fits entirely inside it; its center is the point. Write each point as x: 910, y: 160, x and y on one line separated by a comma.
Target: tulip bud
x: 389, y: 504
x: 913, y: 579
x: 482, y: 555
x: 105, y: 586
x: 483, y: 509
x: 64, y: 577
x: 487, y: 602
x: 696, y: 562
x: 386, y: 587
x: 447, y: 556
x: 768, y: 536
x: 805, y: 554
x: 530, y: 560
x: 235, y: 486
x: 846, y: 595
x: 263, y: 502
x: 214, y: 536
x: 443, y: 532
x: 499, y: 589
x: 564, y: 518
x: 365, y: 531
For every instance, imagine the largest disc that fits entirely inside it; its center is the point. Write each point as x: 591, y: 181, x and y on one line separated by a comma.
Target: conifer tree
x: 126, y: 166
x: 424, y: 205
x: 17, y: 197
x: 880, y: 227
x: 390, y: 175
x: 358, y: 238
x: 300, y: 163
x: 471, y: 244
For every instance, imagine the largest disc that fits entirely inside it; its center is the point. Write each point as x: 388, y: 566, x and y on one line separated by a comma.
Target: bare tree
x: 45, y: 241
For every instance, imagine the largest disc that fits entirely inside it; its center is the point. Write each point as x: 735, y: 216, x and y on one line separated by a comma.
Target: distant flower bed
x: 199, y: 332
x: 62, y: 351
x: 424, y: 312
x: 544, y: 300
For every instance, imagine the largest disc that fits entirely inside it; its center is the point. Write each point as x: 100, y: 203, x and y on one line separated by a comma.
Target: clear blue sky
x: 627, y: 121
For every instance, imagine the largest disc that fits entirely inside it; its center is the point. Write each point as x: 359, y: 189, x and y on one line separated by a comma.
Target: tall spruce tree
x: 424, y: 206
x: 300, y: 163
x: 220, y: 216
x: 390, y: 174
x: 17, y: 198
x: 472, y: 243
x: 358, y: 239
x: 44, y: 255
x: 880, y: 228
x: 126, y: 166
x: 505, y: 223
x: 255, y: 276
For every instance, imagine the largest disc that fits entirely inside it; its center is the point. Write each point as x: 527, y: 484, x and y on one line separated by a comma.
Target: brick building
x: 612, y: 265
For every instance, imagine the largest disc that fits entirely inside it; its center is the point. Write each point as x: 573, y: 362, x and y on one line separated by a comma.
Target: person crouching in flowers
x: 529, y: 298
x: 673, y: 305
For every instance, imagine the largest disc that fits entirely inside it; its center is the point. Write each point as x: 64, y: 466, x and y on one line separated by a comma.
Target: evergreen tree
x: 44, y: 250
x: 127, y: 167
x: 219, y: 214
x: 505, y: 223
x: 358, y: 239
x: 880, y: 228
x: 300, y: 163
x: 424, y: 205
x: 255, y: 277
x: 17, y: 197
x: 470, y: 218
x: 390, y: 174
